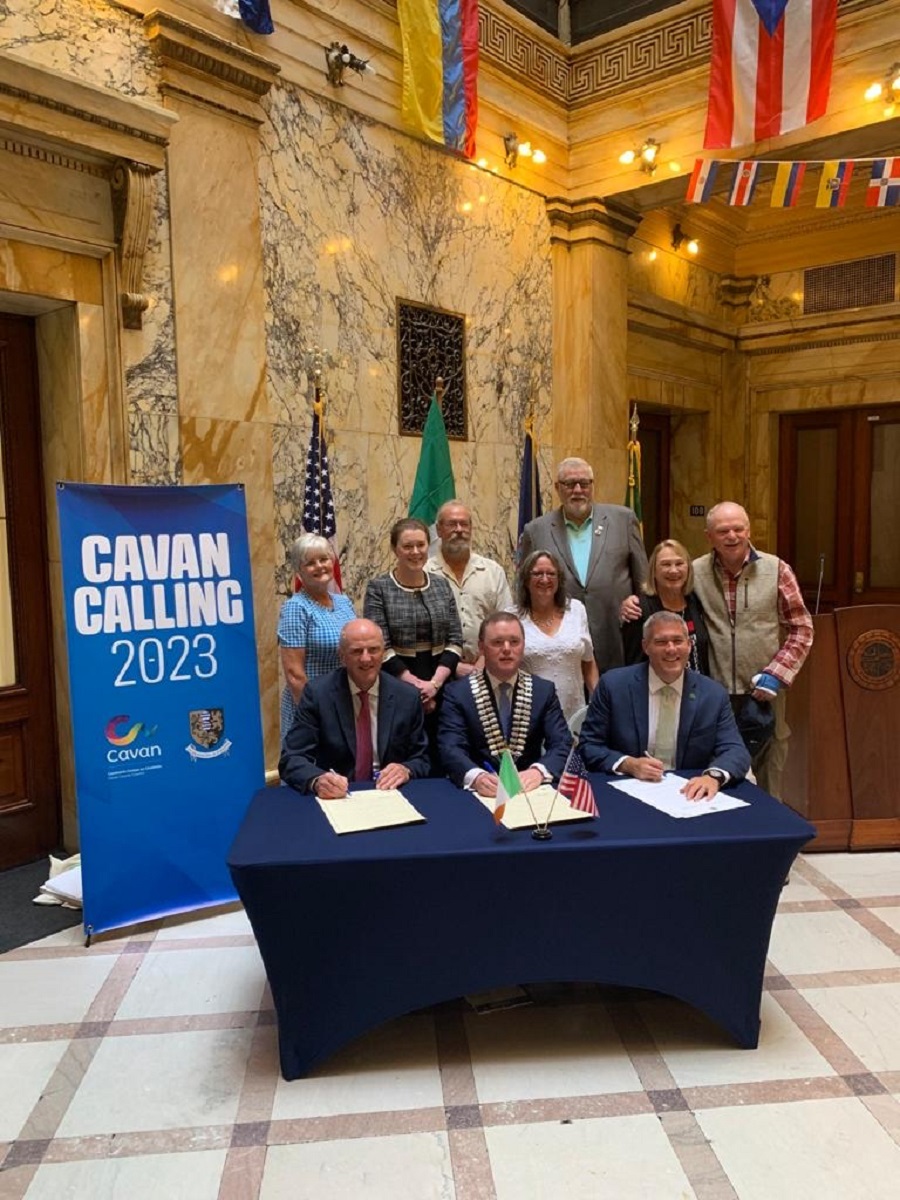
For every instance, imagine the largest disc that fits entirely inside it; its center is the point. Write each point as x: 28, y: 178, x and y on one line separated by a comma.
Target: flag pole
x: 319, y: 413
x: 556, y: 792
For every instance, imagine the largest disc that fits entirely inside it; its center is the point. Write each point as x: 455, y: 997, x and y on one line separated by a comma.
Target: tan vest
x: 737, y: 653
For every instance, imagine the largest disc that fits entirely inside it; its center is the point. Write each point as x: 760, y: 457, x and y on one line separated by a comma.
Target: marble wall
x: 353, y: 217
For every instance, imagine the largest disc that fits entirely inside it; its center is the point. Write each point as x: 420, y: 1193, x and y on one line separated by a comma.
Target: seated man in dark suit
x: 499, y: 708
x: 353, y: 721
x: 657, y: 716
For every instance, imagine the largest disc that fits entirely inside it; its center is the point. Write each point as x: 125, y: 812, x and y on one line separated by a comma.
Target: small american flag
x: 576, y: 787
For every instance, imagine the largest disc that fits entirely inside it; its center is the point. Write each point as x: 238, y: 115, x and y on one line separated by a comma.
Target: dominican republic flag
x: 439, y: 100
x: 576, y: 787
x: 884, y: 186
x: 786, y: 188
x: 318, y: 503
x: 744, y: 183
x: 700, y: 185
x: 770, y: 69
x: 834, y: 184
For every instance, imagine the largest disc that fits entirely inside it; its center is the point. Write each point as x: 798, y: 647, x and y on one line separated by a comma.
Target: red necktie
x: 364, y: 766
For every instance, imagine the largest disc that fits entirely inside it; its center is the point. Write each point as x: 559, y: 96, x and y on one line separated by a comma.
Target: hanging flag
x: 633, y: 487
x: 440, y: 70
x: 884, y: 186
x: 434, y: 484
x: 508, y: 785
x: 770, y: 68
x: 744, y: 183
x: 834, y: 183
x: 254, y: 13
x: 318, y: 504
x: 529, y: 481
x: 575, y: 785
x: 788, y: 180
x: 703, y: 176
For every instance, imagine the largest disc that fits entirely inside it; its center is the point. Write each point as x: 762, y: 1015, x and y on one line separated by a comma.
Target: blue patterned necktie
x: 506, y: 708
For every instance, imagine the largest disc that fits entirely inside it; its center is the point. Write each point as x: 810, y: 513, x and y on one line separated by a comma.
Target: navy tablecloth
x: 357, y: 929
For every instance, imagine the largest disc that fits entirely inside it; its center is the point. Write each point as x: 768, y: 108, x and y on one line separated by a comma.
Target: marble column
x: 589, y: 248
x: 225, y: 429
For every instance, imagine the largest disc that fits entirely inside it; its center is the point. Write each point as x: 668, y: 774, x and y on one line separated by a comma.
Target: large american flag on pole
x: 770, y: 69
x: 318, y: 503
x: 575, y: 785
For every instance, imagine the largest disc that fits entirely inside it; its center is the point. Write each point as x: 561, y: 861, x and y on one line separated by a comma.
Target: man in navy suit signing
x: 657, y: 716
x: 355, y: 723
x: 500, y: 708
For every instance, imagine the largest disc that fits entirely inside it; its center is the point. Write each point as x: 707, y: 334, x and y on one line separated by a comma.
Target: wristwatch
x: 717, y: 774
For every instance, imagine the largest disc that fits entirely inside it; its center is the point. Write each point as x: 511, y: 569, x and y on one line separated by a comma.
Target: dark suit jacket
x: 323, y: 735
x: 616, y: 568
x: 617, y: 723
x: 462, y: 744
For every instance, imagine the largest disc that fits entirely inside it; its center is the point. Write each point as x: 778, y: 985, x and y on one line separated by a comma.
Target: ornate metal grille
x: 855, y: 284
x: 431, y: 343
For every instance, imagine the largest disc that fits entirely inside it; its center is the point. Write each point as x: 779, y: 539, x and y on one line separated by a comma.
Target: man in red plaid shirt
x: 759, y: 627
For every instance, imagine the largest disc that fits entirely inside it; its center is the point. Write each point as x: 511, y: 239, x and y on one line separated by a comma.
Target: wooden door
x: 839, y: 503
x: 29, y: 794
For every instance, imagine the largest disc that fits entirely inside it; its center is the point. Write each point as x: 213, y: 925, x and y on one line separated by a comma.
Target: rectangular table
x: 358, y: 929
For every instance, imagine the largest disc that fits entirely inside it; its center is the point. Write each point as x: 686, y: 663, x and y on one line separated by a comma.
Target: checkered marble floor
x: 146, y: 1068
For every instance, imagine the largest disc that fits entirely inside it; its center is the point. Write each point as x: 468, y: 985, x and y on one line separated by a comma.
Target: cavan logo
x: 207, y: 733
x: 125, y: 740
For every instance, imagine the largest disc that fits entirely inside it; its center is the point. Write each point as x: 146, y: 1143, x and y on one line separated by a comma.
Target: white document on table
x: 667, y: 797
x: 519, y: 816
x: 369, y: 809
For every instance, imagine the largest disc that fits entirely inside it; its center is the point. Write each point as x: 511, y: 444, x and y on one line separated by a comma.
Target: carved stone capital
x: 582, y: 222
x: 131, y: 185
x: 203, y: 67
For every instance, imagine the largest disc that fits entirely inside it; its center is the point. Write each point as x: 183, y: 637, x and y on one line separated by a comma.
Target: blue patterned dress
x: 306, y: 625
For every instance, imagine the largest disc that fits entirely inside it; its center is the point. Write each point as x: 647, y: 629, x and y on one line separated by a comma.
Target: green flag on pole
x: 434, y: 484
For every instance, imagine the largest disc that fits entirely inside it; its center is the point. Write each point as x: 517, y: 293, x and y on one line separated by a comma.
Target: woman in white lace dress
x: 558, y: 643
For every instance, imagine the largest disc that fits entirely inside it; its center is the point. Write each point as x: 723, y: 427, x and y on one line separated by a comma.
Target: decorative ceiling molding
x: 616, y: 62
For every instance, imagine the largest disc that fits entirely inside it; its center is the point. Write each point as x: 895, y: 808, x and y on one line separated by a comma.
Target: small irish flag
x: 509, y: 785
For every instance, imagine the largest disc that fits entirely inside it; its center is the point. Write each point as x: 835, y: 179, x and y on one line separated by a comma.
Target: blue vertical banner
x: 165, y: 692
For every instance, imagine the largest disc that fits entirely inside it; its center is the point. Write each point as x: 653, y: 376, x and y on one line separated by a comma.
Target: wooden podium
x: 844, y: 714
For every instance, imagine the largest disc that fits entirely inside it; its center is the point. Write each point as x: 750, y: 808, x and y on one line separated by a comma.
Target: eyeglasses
x: 543, y: 575
x: 571, y: 484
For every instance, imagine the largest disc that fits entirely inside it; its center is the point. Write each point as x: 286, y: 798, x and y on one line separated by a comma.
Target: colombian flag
x: 788, y: 181
x: 440, y: 70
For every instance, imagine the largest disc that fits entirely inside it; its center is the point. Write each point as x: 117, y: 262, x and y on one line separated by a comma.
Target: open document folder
x: 519, y: 816
x: 667, y: 797
x: 369, y: 809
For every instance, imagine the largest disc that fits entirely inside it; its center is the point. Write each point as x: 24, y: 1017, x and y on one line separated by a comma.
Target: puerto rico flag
x: 834, y: 183
x: 700, y: 184
x: 770, y: 69
x: 744, y: 183
x: 884, y: 186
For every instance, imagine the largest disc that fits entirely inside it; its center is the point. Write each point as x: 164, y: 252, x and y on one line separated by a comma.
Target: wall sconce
x: 338, y: 59
x: 645, y: 156
x: 514, y: 150
x: 680, y: 238
x: 889, y: 89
